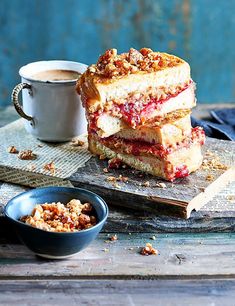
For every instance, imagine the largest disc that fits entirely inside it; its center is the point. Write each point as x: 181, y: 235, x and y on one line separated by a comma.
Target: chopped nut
x: 153, y: 237
x: 231, y: 198
x: 210, y: 177
x: 12, y: 150
x: 77, y: 143
x: 111, y: 179
x: 146, y: 184
x: 148, y: 250
x: 50, y: 167
x: 161, y: 185
x: 122, y: 178
x: 27, y: 155
x: 102, y: 156
x: 113, y: 238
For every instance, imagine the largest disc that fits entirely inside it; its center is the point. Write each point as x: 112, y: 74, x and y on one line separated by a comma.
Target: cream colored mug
x: 52, y: 109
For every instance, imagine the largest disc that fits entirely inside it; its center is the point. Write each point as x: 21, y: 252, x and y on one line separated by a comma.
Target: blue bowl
x: 54, y: 245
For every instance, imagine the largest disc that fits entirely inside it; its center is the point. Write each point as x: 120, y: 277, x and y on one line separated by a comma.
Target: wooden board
x: 177, y: 199
x: 180, y: 256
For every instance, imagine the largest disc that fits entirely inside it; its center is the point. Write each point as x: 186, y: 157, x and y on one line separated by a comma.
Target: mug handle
x: 15, y: 101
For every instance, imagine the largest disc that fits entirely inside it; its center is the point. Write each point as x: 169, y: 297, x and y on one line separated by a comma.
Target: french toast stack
x: 138, y: 107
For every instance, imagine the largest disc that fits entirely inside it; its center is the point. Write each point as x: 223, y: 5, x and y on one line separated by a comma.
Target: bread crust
x: 96, y: 89
x: 190, y: 158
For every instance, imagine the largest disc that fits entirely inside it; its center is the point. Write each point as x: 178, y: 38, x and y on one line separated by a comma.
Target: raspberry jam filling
x: 134, y: 112
x: 136, y: 148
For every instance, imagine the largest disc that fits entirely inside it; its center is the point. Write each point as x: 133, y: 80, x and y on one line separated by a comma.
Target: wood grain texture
x: 118, y: 292
x: 186, y: 255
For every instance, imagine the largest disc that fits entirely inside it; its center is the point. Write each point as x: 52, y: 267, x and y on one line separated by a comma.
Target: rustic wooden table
x: 196, y: 264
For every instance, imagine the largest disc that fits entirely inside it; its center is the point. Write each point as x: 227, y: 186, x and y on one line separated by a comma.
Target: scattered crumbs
x: 153, y: 237
x: 129, y: 233
x: 113, y: 238
x: 213, y: 162
x: 27, y: 155
x: 12, y: 150
x: 102, y: 156
x: 40, y: 145
x: 202, y: 189
x: 210, y: 177
x: 77, y: 143
x: 131, y: 249
x: 105, y: 170
x: 111, y: 179
x: 148, y: 250
x: 105, y: 250
x: 230, y: 198
x: 50, y: 167
x: 116, y: 185
x: 122, y: 178
x: 161, y: 185
x: 146, y: 184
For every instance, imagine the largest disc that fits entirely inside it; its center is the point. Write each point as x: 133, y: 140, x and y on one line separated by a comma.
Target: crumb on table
x: 12, y: 150
x: 27, y: 155
x: 148, y: 250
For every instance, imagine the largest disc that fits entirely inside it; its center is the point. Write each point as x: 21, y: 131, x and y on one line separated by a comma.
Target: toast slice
x: 177, y: 164
x: 166, y: 134
x: 112, y: 121
x: 120, y: 77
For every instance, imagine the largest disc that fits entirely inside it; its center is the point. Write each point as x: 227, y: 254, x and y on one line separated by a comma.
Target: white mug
x: 52, y: 109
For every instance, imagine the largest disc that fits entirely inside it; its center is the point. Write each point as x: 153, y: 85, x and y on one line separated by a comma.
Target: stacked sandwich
x: 138, y: 107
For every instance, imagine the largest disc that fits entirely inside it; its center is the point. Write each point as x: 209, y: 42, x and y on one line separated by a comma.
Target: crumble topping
x: 27, y: 155
x: 58, y: 217
x: 111, y: 64
x: 148, y: 250
x: 50, y: 167
x: 12, y: 150
x: 113, y: 238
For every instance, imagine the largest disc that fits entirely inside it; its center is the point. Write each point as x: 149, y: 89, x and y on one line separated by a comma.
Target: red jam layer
x: 136, y: 148
x: 134, y: 112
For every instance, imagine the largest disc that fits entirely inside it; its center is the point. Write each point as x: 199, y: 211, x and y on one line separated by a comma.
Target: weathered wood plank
x: 187, y: 255
x: 118, y: 292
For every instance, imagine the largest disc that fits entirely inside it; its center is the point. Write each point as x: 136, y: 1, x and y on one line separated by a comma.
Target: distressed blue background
x: 201, y: 31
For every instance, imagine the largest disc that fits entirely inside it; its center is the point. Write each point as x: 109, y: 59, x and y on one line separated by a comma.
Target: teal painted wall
x: 200, y: 31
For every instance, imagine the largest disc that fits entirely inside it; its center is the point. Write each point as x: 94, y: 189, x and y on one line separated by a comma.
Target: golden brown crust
x: 111, y: 65
x: 114, y: 72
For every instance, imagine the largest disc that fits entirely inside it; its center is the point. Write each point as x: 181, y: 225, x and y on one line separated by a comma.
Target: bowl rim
x: 9, y: 203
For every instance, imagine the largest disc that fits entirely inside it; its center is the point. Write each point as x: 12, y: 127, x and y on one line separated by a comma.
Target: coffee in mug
x: 52, y: 108
x: 56, y: 75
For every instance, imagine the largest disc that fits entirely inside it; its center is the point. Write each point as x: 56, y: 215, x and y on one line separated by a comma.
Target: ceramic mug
x: 52, y: 109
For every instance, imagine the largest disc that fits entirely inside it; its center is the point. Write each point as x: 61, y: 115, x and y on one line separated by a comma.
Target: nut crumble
x: 57, y: 217
x: 148, y: 250
x: 12, y: 150
x: 111, y: 64
x: 27, y: 155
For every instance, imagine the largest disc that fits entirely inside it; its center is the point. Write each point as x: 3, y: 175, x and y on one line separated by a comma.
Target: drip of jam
x: 114, y: 163
x: 181, y: 171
